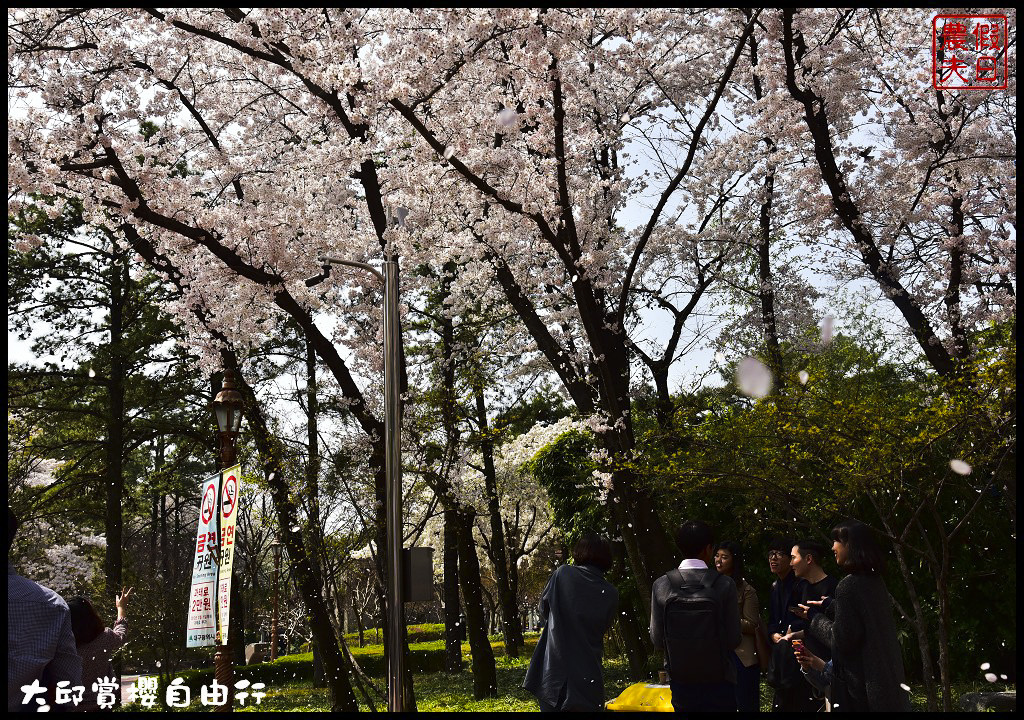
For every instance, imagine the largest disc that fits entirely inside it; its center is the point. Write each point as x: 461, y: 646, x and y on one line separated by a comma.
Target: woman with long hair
x: 577, y: 607
x: 97, y: 643
x: 867, y: 661
x: 729, y: 561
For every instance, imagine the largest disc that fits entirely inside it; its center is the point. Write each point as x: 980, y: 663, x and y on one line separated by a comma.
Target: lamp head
x: 227, y: 406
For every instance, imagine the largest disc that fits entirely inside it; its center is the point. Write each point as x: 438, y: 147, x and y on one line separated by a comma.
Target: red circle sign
x: 209, y: 501
x: 230, y: 496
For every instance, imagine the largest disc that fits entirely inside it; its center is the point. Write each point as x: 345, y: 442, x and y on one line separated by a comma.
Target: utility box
x: 418, y: 574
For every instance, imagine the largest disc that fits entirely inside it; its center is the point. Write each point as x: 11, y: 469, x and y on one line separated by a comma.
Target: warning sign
x: 201, y: 628
x: 231, y: 485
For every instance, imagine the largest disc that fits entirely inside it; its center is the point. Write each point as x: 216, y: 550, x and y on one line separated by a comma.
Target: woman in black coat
x: 577, y: 607
x: 858, y: 625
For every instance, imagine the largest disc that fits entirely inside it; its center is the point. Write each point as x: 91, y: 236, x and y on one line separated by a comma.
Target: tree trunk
x: 764, y: 269
x: 485, y: 681
x: 452, y: 609
x: 313, y: 493
x: 845, y: 206
x: 919, y: 621
x: 942, y: 590
x: 115, y: 430
x: 236, y: 612
x: 648, y: 548
x: 634, y: 639
x: 310, y: 586
x: 511, y: 630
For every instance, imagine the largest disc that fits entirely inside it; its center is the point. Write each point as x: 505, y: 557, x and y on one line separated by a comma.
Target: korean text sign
x: 201, y: 628
x: 231, y: 487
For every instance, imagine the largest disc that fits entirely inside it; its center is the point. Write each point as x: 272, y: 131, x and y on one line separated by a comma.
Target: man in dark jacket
x: 792, y: 693
x: 695, y: 619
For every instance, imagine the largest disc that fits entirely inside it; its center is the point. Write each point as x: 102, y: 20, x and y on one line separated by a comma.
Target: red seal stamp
x: 969, y: 52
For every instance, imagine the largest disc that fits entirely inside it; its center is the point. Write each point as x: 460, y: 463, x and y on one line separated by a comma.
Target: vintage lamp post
x: 276, y: 547
x: 227, y: 406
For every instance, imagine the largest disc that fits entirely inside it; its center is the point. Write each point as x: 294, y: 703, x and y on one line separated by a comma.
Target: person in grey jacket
x: 695, y: 619
x: 577, y: 607
x: 858, y: 625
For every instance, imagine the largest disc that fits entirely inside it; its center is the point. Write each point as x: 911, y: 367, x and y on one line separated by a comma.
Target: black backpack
x: 693, y: 630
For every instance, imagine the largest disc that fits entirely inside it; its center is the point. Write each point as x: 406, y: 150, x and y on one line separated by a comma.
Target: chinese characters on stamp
x: 969, y: 52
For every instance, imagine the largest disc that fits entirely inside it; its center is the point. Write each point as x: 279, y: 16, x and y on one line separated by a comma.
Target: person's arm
x: 657, y: 611
x: 544, y: 606
x: 733, y: 634
x: 848, y: 626
x: 822, y: 625
x: 750, y: 611
x: 121, y: 602
x: 613, y: 608
x: 66, y: 663
x: 120, y: 628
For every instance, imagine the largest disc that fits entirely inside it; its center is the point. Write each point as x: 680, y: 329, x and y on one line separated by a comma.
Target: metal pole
x: 273, y: 626
x: 393, y: 469
x: 222, y: 660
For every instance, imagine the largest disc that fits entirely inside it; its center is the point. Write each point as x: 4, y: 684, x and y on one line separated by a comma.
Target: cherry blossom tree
x: 244, y: 144
x: 914, y: 184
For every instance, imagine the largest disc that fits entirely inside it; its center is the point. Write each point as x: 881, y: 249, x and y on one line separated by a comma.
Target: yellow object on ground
x: 643, y: 697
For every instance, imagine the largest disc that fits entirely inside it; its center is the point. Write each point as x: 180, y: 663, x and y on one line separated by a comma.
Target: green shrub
x: 416, y: 634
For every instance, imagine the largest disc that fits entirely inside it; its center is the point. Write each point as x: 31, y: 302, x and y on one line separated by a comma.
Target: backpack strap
x: 710, y: 578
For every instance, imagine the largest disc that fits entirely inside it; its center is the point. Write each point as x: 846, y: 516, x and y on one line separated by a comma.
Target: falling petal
x: 985, y: 666
x: 507, y: 117
x: 959, y: 467
x: 92, y: 373
x: 448, y: 152
x: 991, y: 677
x: 753, y: 378
x: 1002, y: 677
x: 827, y: 329
x: 804, y: 377
x: 905, y: 687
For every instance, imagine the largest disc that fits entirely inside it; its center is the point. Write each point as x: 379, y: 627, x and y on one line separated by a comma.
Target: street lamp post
x: 276, y: 547
x: 227, y: 407
x: 392, y: 465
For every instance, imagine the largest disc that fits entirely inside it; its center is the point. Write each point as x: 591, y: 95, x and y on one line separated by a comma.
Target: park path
x: 127, y: 691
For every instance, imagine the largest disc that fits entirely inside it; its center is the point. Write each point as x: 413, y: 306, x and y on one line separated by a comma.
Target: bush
x: 416, y: 634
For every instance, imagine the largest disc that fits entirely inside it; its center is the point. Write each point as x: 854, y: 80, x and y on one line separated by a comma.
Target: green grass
x: 290, y: 687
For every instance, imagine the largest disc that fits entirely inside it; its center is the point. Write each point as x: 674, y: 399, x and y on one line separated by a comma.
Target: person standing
x: 806, y: 560
x: 729, y: 561
x: 97, y: 643
x: 40, y: 642
x: 792, y: 693
x: 867, y: 661
x: 695, y: 619
x: 577, y: 607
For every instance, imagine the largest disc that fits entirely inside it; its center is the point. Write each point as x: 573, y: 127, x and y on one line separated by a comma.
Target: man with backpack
x: 695, y: 619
